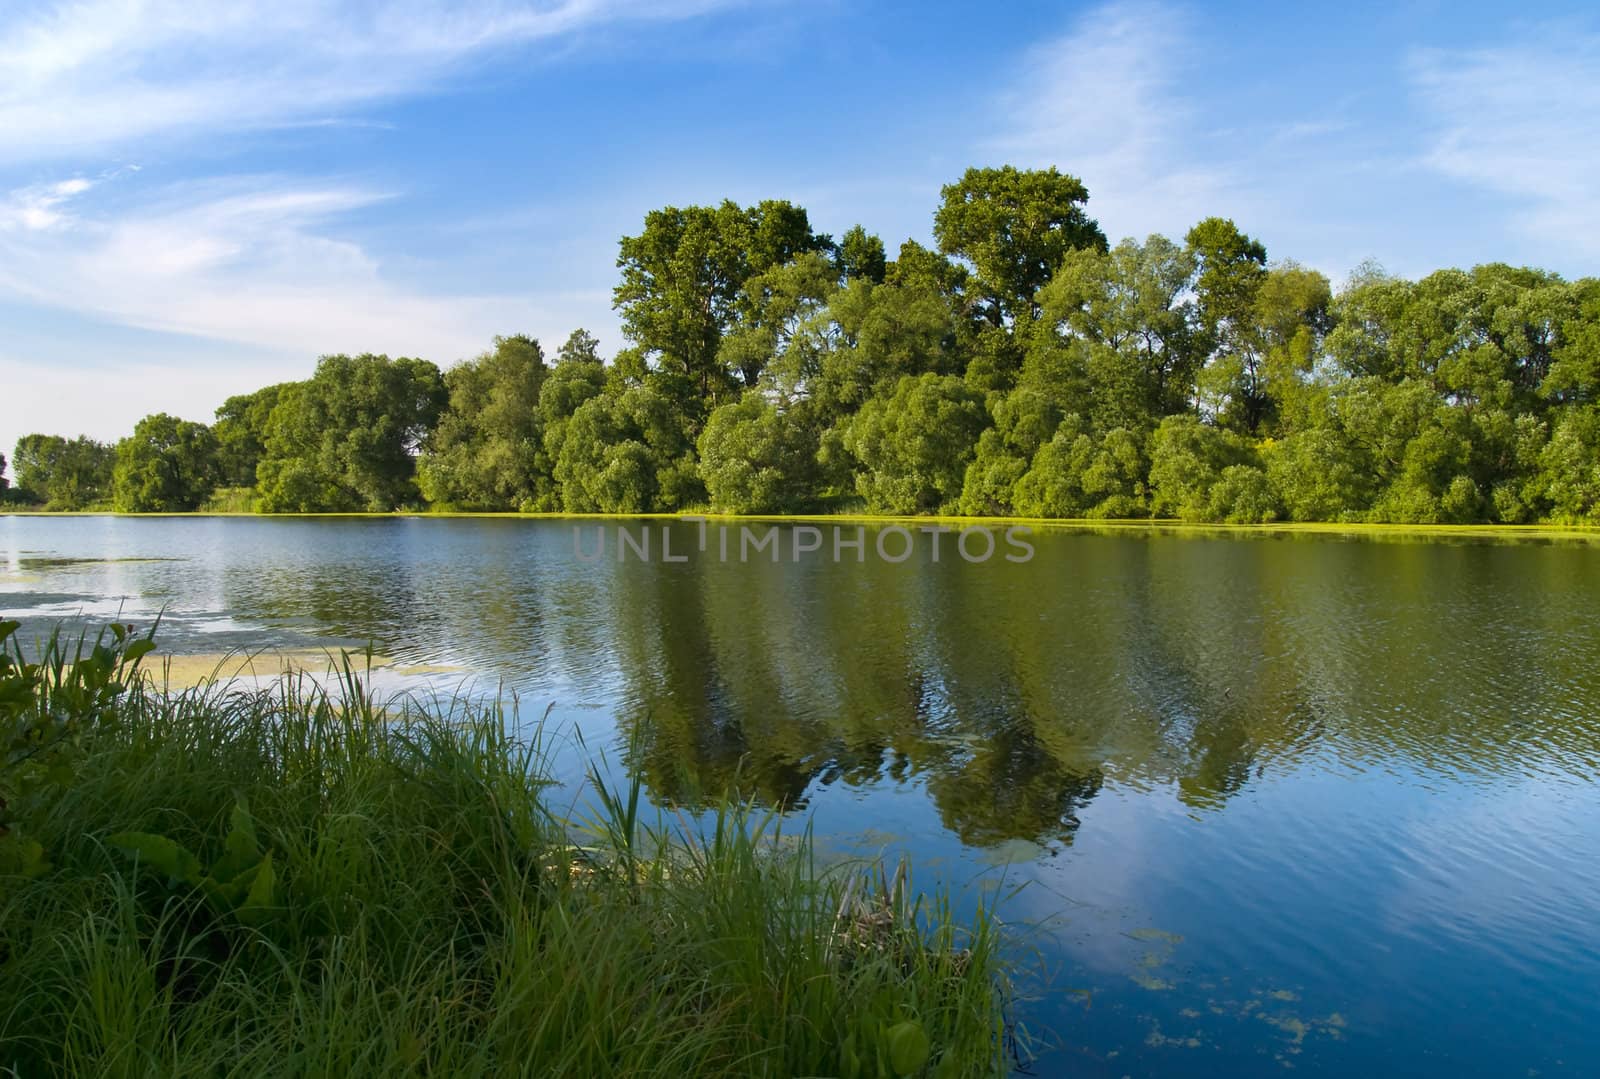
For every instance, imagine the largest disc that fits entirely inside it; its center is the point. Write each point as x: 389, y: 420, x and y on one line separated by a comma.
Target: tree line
x: 1021, y: 366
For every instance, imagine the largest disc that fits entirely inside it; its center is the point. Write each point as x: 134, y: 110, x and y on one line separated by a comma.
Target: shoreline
x: 1078, y: 524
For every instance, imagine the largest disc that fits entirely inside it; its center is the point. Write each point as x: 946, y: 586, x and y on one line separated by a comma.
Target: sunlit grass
x: 416, y: 907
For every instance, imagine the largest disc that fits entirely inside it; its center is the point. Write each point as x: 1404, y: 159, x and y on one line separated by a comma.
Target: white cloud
x: 95, y: 74
x: 1522, y: 119
x: 1103, y: 103
x: 254, y: 263
x: 37, y: 207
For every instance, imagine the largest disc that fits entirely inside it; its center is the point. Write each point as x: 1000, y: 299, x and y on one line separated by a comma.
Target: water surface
x: 1281, y: 802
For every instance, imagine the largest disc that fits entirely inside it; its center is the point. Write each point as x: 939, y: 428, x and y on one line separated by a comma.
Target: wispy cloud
x: 39, y: 206
x: 249, y: 260
x: 1522, y: 119
x: 1103, y: 102
x: 255, y: 262
x: 94, y: 74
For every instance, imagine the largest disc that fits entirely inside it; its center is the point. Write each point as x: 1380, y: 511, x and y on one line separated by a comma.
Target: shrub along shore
x: 301, y: 880
x: 1023, y: 366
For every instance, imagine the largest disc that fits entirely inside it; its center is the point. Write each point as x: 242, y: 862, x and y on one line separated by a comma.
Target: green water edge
x: 1590, y: 533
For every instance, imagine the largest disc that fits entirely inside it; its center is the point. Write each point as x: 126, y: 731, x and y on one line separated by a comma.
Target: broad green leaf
x: 22, y: 858
x: 224, y: 896
x: 160, y: 853
x: 241, y: 850
x: 908, y: 1047
x: 263, y: 894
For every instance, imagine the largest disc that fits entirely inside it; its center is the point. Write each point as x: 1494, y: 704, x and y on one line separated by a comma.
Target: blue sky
x: 197, y: 202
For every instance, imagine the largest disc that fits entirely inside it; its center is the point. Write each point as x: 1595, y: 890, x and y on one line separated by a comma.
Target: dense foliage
x: 65, y: 474
x: 1024, y: 366
x: 168, y: 464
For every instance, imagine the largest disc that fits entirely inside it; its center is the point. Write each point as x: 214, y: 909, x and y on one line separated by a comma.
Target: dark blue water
x: 1274, y: 803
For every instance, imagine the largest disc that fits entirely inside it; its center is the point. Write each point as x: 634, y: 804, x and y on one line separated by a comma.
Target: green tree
x: 1570, y: 467
x: 1319, y: 475
x: 1574, y: 376
x: 167, y: 465
x: 577, y: 376
x: 783, y: 307
x: 683, y: 278
x: 1243, y: 494
x: 915, y: 443
x: 861, y: 255
x: 1187, y: 460
x: 1124, y: 319
x: 626, y: 453
x: 347, y: 438
x: 1495, y: 335
x: 1416, y: 449
x: 1078, y: 475
x: 1279, y: 373
x: 875, y: 335
x: 1232, y: 267
x: 241, y: 431
x: 5, y: 481
x: 62, y: 473
x: 487, y: 451
x: 1024, y: 420
x: 1434, y: 484
x: 1016, y: 227
x: 1231, y: 272
x: 755, y: 458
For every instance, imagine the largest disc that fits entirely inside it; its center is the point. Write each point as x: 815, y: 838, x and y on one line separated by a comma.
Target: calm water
x: 1287, y: 802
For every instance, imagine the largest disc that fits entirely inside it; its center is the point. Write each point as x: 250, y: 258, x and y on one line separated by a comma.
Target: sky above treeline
x: 197, y: 200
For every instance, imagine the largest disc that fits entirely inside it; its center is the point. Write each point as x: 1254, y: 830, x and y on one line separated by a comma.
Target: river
x: 1273, y: 802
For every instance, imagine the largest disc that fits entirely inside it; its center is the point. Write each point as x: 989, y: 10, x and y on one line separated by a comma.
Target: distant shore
x: 1073, y: 524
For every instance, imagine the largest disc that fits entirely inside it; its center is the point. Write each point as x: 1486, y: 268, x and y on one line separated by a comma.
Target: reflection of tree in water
x: 1191, y: 665
x: 1007, y: 786
x: 1221, y: 755
x: 1003, y: 784
x: 721, y: 701
x: 1007, y: 719
x: 703, y: 723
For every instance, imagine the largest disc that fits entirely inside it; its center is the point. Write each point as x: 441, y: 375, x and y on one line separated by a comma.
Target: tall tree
x: 487, y: 451
x: 1124, y: 318
x: 347, y: 438
x: 64, y: 474
x: 683, y: 278
x: 1016, y: 227
x: 1231, y: 267
x: 861, y: 255
x: 167, y: 465
x: 241, y: 431
x: 781, y: 303
x: 1230, y: 270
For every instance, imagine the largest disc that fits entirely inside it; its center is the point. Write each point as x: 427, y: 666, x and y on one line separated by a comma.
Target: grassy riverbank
x: 305, y: 881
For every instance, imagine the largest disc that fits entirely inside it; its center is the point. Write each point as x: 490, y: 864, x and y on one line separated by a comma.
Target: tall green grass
x: 304, y: 881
